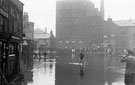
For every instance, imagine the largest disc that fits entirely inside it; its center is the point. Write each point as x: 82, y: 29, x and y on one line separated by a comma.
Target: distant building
x: 28, y: 27
x: 27, y: 46
x: 43, y: 40
x: 126, y: 33
x: 78, y: 24
x: 53, y: 44
x: 110, y: 34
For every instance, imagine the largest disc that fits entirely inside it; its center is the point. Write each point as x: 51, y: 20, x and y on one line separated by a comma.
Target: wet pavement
x: 65, y: 70
x: 43, y: 73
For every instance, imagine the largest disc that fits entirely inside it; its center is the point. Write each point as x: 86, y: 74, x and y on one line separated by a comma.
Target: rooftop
x: 125, y: 22
x: 18, y: 3
x: 38, y: 31
x: 40, y: 34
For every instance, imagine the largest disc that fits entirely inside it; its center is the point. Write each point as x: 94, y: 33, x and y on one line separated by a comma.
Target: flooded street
x: 43, y: 73
x: 67, y: 42
x: 67, y: 71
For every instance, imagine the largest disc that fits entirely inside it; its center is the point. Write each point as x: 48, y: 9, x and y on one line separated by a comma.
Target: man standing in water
x: 45, y: 55
x: 81, y: 55
x: 130, y: 67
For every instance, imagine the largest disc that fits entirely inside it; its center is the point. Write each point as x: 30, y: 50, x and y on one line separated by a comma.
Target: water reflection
x: 68, y: 75
x: 68, y: 72
x: 93, y: 73
x: 112, y: 77
x: 81, y: 73
x: 44, y: 73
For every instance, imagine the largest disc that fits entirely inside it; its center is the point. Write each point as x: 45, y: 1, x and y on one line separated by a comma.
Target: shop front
x: 9, y: 58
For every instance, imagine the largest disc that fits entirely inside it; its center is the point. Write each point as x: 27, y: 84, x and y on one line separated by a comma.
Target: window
x: 11, y: 26
x: 4, y: 50
x: 17, y: 15
x: 4, y: 3
x: 1, y: 2
x: 1, y: 23
x: 20, y: 29
x: 12, y: 11
x: 5, y: 25
x: 15, y: 27
x: 11, y: 49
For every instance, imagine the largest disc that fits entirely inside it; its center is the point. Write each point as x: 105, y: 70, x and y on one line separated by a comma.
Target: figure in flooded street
x: 81, y: 55
x: 35, y: 55
x: 39, y: 56
x: 45, y: 55
x: 129, y: 58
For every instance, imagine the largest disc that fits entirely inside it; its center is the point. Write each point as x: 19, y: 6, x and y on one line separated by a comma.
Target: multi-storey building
x: 110, y: 34
x: 78, y: 24
x: 126, y: 37
x: 10, y: 38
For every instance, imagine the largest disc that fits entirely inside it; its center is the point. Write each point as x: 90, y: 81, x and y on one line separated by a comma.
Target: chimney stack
x: 102, y: 9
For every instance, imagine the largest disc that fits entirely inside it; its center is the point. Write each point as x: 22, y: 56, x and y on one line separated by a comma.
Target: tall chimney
x: 102, y: 9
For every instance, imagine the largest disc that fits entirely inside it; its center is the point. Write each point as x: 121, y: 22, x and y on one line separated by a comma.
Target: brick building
x: 11, y: 18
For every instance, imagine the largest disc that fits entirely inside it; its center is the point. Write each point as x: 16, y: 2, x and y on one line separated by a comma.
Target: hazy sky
x: 42, y: 12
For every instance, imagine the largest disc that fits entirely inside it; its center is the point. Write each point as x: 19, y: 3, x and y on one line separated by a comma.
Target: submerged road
x: 68, y: 72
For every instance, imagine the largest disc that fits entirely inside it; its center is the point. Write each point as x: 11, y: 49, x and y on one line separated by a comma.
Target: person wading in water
x: 81, y: 55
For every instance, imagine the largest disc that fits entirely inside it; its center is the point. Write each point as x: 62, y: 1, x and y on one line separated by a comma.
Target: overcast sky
x: 42, y: 12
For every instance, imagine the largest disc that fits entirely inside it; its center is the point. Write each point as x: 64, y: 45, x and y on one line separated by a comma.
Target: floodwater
x: 43, y: 73
x: 65, y: 70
